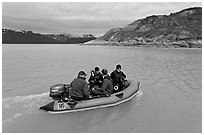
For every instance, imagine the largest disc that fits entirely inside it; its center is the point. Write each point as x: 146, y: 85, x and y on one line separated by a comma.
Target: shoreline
x: 139, y: 46
x: 111, y: 45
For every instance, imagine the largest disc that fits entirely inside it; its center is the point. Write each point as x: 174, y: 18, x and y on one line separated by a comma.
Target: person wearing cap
x: 107, y: 85
x: 96, y: 78
x: 118, y: 77
x: 79, y: 87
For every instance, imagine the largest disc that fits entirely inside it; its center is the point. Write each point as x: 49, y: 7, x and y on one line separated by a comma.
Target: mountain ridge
x: 179, y: 29
x: 28, y: 37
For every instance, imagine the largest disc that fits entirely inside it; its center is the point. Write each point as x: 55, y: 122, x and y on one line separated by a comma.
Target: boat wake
x: 23, y: 98
x: 14, y: 108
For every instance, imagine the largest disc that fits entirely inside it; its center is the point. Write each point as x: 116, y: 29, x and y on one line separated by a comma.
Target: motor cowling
x: 57, y: 91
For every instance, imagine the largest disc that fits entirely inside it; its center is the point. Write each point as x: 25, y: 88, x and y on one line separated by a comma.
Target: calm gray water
x: 170, y: 98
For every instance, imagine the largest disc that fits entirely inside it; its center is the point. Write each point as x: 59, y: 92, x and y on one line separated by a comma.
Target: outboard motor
x: 59, y: 91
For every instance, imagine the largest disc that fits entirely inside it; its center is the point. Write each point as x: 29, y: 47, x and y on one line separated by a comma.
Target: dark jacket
x: 117, y: 77
x: 107, y: 84
x: 97, y: 79
x: 79, y: 88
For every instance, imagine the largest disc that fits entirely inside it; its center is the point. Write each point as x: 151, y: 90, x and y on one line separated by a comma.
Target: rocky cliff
x: 180, y: 29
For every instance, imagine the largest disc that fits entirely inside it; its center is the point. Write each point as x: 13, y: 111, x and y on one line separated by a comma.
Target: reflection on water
x: 169, y: 99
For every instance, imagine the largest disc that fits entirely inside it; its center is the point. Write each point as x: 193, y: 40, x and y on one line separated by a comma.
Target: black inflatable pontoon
x: 60, y: 106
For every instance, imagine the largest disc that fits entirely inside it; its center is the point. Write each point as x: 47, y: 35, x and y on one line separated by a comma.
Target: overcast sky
x: 78, y: 18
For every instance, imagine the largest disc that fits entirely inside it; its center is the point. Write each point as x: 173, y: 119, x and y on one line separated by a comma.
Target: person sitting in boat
x: 79, y: 87
x: 107, y: 85
x: 96, y: 78
x: 118, y: 78
x: 91, y: 79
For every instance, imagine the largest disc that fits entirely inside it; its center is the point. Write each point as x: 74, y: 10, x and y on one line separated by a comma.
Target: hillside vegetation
x: 181, y: 29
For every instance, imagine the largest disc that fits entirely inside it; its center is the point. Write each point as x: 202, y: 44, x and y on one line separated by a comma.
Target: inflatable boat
x: 60, y: 106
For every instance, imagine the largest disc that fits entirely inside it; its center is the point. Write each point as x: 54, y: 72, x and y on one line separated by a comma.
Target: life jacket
x: 98, y: 78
